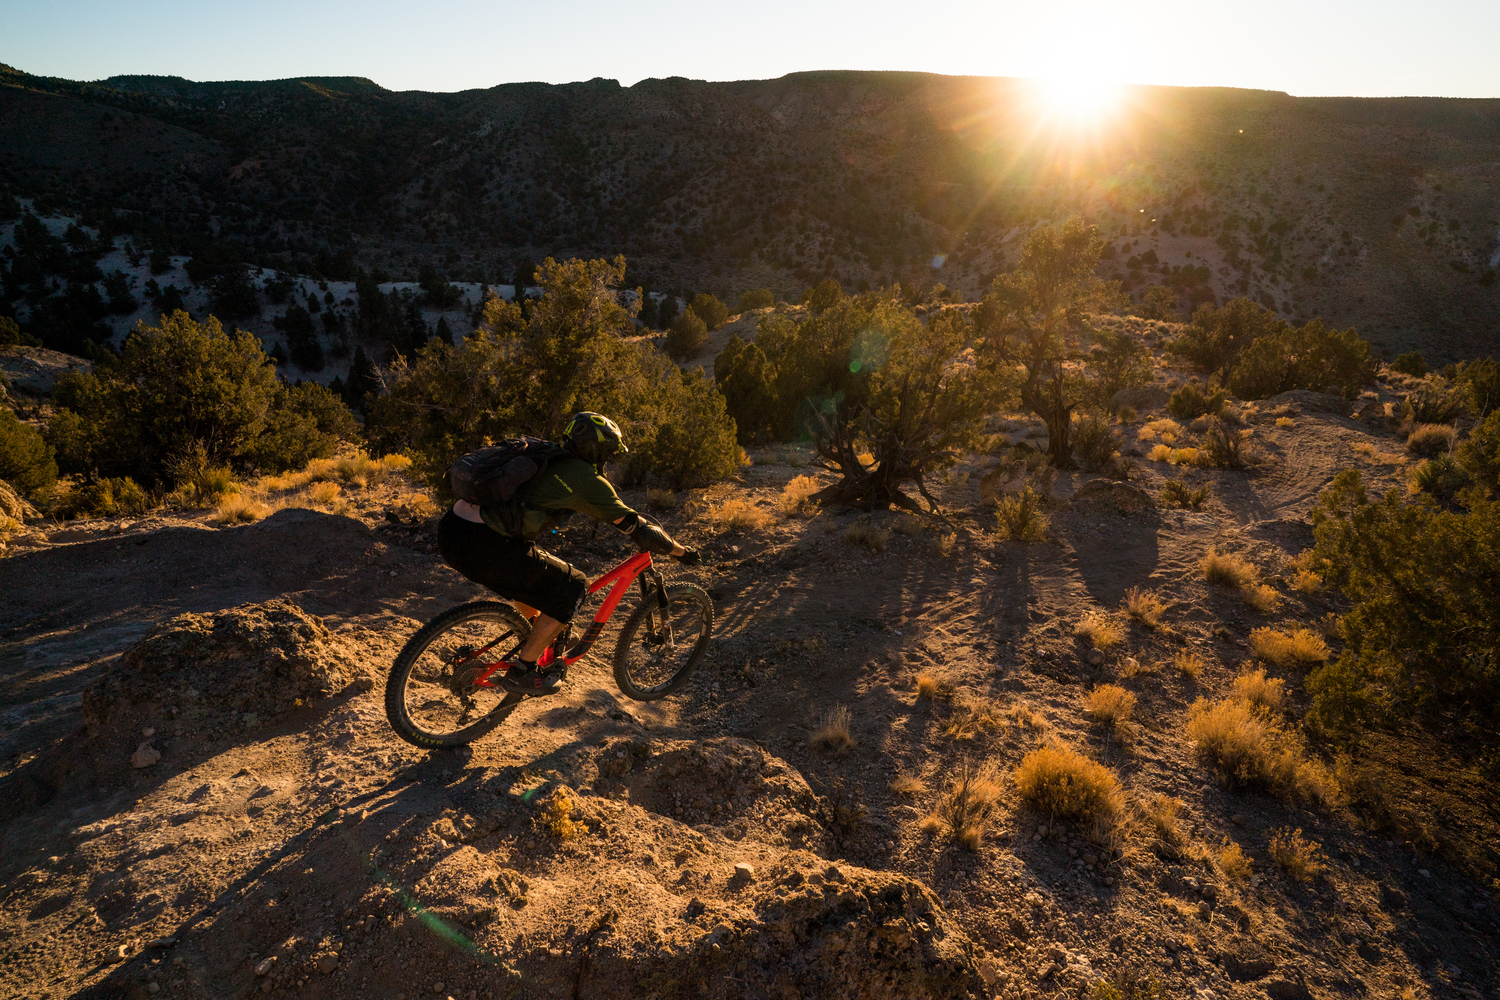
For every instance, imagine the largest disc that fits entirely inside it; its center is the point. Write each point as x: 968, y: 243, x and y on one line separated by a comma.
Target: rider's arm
x: 648, y: 536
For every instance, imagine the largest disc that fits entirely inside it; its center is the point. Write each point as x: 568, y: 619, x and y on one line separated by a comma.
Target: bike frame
x: 622, y: 576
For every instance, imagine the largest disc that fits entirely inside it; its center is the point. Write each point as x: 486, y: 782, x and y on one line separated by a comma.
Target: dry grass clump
x: 1164, y: 429
x: 972, y: 716
x: 1188, y: 663
x: 908, y: 784
x: 243, y: 507
x: 1176, y: 493
x: 1174, y: 456
x: 797, y: 493
x: 739, y: 515
x: 1109, y: 705
x: 1302, y: 859
x: 867, y: 536
x: 1065, y: 784
x: 1102, y: 631
x: 1027, y: 717
x: 1298, y: 648
x: 968, y: 805
x: 1285, y: 422
x: 1130, y: 668
x: 1165, y: 815
x: 1228, y: 570
x: 1021, y: 518
x: 944, y: 544
x: 324, y: 492
x: 1259, y: 690
x: 1305, y: 579
x: 1247, y: 749
x: 931, y: 687
x: 1144, y: 606
x: 1430, y: 440
x: 833, y: 733
x: 660, y: 499
x: 558, y: 814
x: 1261, y: 597
x: 354, y: 469
x: 1233, y: 861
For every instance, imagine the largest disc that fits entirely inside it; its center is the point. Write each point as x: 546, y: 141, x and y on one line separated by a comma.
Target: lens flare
x: 1076, y: 101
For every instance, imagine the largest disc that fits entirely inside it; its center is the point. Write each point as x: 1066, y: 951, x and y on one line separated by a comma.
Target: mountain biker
x: 543, y: 587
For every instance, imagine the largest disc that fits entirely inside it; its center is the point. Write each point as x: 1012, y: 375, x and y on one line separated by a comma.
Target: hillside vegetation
x: 1378, y: 214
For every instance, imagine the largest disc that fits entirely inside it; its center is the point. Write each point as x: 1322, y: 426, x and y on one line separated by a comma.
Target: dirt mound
x: 1148, y: 399
x: 251, y: 663
x: 620, y: 902
x: 1303, y: 400
x: 726, y: 783
x: 810, y: 928
x: 1114, y: 495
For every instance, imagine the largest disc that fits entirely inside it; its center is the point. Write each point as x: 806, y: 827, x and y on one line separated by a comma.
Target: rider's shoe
x: 520, y: 679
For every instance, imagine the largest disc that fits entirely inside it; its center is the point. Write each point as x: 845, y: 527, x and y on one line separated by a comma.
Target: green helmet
x: 594, y: 438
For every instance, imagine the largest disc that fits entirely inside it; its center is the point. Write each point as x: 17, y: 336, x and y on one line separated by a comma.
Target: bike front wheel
x: 430, y: 696
x: 660, y: 648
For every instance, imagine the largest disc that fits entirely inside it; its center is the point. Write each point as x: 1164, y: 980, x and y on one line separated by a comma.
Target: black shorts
x: 512, y: 567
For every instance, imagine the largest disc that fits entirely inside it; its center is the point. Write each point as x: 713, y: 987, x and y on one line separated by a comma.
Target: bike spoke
x: 440, y: 695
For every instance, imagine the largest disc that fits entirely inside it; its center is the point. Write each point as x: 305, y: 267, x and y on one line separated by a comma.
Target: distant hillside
x: 1381, y: 214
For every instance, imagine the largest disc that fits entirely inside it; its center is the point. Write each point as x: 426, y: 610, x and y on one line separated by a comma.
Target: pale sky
x: 1375, y: 48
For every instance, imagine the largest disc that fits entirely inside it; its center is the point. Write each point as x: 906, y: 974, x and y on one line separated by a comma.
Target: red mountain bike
x: 440, y: 692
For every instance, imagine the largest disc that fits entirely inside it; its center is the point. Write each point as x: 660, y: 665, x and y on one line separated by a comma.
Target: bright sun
x: 1076, y: 101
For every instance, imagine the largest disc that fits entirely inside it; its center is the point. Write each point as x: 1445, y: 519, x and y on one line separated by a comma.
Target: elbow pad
x: 652, y: 539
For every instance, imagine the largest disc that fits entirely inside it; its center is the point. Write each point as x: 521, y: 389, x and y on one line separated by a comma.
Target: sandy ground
x: 310, y: 853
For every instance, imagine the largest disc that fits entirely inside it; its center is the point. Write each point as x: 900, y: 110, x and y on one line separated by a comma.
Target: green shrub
x: 26, y: 460
x: 1194, y: 400
x: 10, y: 332
x: 1305, y: 357
x: 1216, y: 337
x: 1117, y: 361
x: 1176, y: 493
x: 709, y: 309
x: 1442, y: 477
x: 305, y: 421
x: 1479, y: 382
x: 1422, y: 632
x: 1021, y: 518
x: 745, y: 378
x: 526, y: 373
x: 1480, y: 453
x: 1094, y: 443
x: 759, y: 298
x: 183, y: 390
x: 1410, y: 363
x: 687, y: 335
x: 1223, y: 445
x: 103, y: 498
x: 1439, y: 402
x: 690, y: 440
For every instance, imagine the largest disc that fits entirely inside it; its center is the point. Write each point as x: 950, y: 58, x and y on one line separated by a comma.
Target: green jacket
x: 565, y: 486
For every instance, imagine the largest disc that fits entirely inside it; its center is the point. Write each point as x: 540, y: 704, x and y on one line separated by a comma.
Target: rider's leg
x: 543, y: 630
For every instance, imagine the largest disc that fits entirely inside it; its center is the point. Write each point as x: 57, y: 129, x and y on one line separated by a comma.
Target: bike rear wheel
x: 430, y: 698
x: 658, y: 650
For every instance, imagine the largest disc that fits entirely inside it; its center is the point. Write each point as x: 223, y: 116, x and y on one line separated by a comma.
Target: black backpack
x: 497, y: 476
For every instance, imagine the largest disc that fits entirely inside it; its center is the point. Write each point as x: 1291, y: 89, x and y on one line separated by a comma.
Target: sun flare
x: 1076, y: 100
